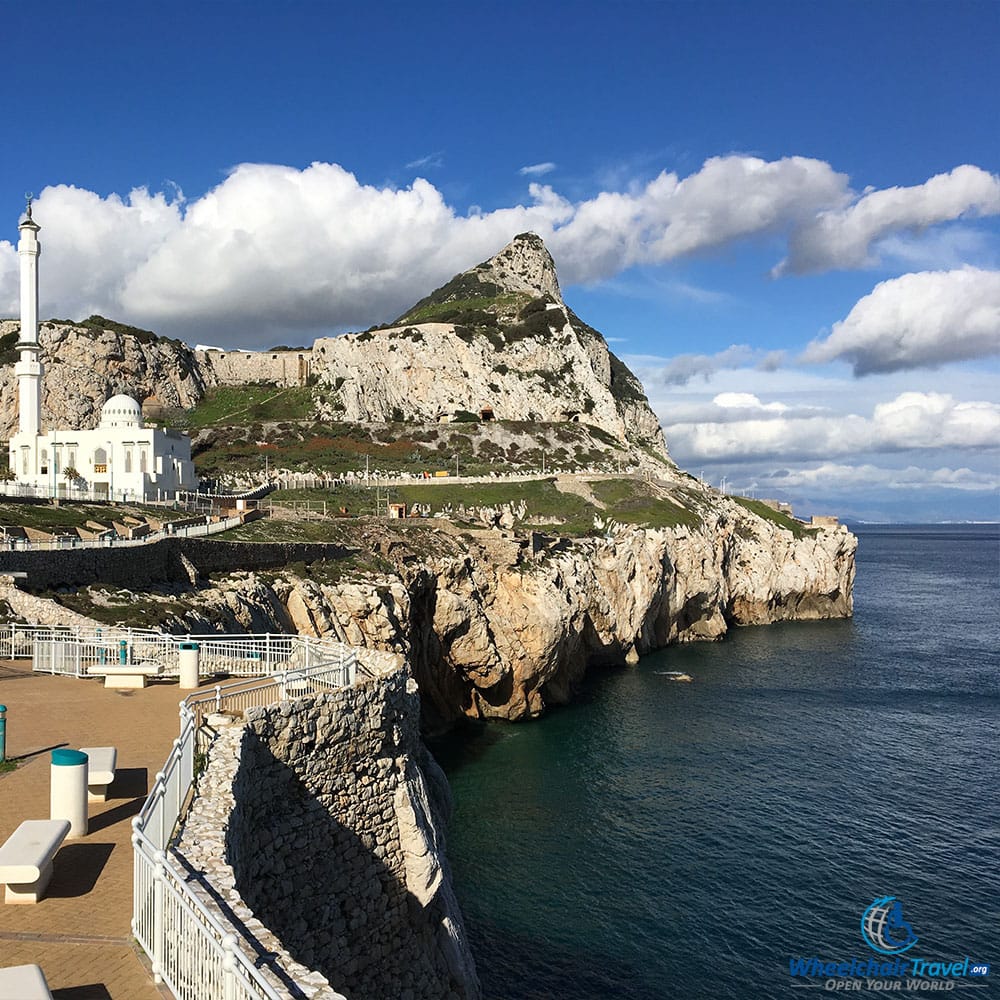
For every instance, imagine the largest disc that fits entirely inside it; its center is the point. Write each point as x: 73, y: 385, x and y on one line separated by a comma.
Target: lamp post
x: 111, y: 475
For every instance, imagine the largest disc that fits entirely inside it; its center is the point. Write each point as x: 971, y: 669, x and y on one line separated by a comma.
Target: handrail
x: 81, y: 652
x: 191, y: 950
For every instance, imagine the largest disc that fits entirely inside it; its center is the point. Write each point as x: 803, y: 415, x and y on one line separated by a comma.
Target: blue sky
x: 784, y: 216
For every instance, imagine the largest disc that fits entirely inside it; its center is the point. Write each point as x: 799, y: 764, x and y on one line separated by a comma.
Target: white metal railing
x: 82, y: 652
x: 63, y: 542
x: 192, y: 952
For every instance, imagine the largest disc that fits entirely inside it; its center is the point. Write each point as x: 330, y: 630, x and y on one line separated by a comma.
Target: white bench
x: 23, y: 982
x: 126, y: 675
x: 26, y: 858
x: 100, y: 771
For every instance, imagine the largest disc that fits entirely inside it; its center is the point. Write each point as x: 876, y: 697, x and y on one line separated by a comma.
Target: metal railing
x: 81, y: 652
x: 192, y: 952
x: 64, y: 542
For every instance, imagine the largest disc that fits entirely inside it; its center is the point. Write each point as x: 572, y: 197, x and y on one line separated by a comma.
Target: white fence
x: 83, y: 652
x: 192, y: 952
x: 64, y: 542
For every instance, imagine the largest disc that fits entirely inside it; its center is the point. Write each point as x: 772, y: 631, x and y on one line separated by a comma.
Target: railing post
x: 229, y: 967
x: 159, y: 780
x: 158, y: 937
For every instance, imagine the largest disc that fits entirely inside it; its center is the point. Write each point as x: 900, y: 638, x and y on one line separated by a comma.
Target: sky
x: 784, y: 217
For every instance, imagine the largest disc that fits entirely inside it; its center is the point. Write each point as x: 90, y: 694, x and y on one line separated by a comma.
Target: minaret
x: 29, y: 369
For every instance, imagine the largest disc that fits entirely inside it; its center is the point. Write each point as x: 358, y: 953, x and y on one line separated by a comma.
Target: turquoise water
x: 659, y: 839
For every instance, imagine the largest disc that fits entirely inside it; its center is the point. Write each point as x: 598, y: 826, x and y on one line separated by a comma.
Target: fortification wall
x: 332, y: 854
x: 283, y: 368
x: 167, y: 560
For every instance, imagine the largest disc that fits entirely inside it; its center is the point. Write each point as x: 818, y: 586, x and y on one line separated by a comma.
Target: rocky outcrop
x: 86, y: 366
x: 502, y: 627
x: 497, y: 337
x: 510, y: 345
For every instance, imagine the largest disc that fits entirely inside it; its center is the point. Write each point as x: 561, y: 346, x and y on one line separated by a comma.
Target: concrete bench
x: 126, y: 675
x: 100, y: 771
x: 26, y: 858
x: 23, y: 982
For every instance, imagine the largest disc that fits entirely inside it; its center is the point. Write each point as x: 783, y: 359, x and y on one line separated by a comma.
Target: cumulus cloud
x: 921, y: 319
x: 911, y: 421
x: 537, y: 169
x: 844, y: 237
x: 277, y: 249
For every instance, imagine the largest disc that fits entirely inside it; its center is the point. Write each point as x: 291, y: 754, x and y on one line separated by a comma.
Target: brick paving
x: 80, y: 932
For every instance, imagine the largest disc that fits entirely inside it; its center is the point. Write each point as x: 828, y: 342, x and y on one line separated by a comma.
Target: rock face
x: 497, y: 337
x: 86, y: 366
x: 322, y: 821
x: 495, y: 627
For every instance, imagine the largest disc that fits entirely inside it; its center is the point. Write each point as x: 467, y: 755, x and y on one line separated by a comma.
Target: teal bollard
x: 123, y: 651
x: 3, y: 732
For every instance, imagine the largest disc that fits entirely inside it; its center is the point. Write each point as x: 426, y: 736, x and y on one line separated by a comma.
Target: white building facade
x: 121, y: 459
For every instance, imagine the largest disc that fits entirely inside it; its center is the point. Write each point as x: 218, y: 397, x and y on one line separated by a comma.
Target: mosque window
x: 128, y: 459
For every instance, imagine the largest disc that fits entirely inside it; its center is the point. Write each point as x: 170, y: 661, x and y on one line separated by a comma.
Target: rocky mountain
x: 496, y: 338
x: 86, y: 364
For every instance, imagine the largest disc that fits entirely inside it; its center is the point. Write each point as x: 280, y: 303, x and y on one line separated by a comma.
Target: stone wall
x: 282, y: 368
x: 170, y: 559
x: 334, y: 844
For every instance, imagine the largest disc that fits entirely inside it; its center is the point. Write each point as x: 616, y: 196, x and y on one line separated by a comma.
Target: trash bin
x: 188, y: 660
x: 68, y: 790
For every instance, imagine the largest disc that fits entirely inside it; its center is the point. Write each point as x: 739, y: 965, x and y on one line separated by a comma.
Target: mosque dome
x: 121, y: 411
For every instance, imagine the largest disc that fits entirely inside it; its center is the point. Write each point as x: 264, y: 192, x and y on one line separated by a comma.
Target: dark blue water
x: 660, y: 839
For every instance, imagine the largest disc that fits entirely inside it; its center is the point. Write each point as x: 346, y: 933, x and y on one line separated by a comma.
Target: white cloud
x: 833, y: 477
x: 430, y: 160
x: 730, y: 198
x: 684, y: 367
x: 911, y: 421
x: 843, y: 237
x: 274, y: 249
x: 917, y: 320
x: 537, y: 169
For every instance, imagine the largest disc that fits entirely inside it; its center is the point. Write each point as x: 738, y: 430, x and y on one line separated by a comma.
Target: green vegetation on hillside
x: 252, y: 402
x: 636, y: 502
x: 337, y: 448
x: 762, y: 510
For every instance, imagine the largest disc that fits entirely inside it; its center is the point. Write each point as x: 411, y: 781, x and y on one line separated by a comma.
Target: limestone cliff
x: 495, y: 627
x: 497, y: 337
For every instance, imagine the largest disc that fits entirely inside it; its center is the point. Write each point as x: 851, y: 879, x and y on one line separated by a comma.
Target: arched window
x: 143, y: 460
x: 128, y: 459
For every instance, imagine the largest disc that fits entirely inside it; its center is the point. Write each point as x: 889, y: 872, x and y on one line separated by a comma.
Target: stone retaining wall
x: 332, y: 812
x: 169, y: 559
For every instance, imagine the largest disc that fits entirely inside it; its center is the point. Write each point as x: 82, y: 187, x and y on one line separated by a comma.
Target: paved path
x: 80, y: 932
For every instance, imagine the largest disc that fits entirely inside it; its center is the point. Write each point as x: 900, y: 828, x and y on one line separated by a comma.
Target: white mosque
x: 121, y: 459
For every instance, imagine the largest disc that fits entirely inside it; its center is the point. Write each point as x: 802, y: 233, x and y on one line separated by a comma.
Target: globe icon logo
x: 884, y: 929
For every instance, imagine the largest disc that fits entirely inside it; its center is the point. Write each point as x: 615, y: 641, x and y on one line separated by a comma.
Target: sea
x: 659, y: 839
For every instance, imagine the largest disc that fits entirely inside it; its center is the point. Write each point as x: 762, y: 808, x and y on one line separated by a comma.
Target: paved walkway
x: 80, y: 932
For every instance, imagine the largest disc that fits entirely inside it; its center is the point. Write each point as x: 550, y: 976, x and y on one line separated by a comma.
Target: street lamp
x: 111, y: 475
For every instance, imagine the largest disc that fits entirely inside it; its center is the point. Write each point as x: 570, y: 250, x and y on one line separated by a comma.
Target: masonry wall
x: 319, y: 821
x: 170, y: 559
x: 282, y: 368
x: 336, y: 843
